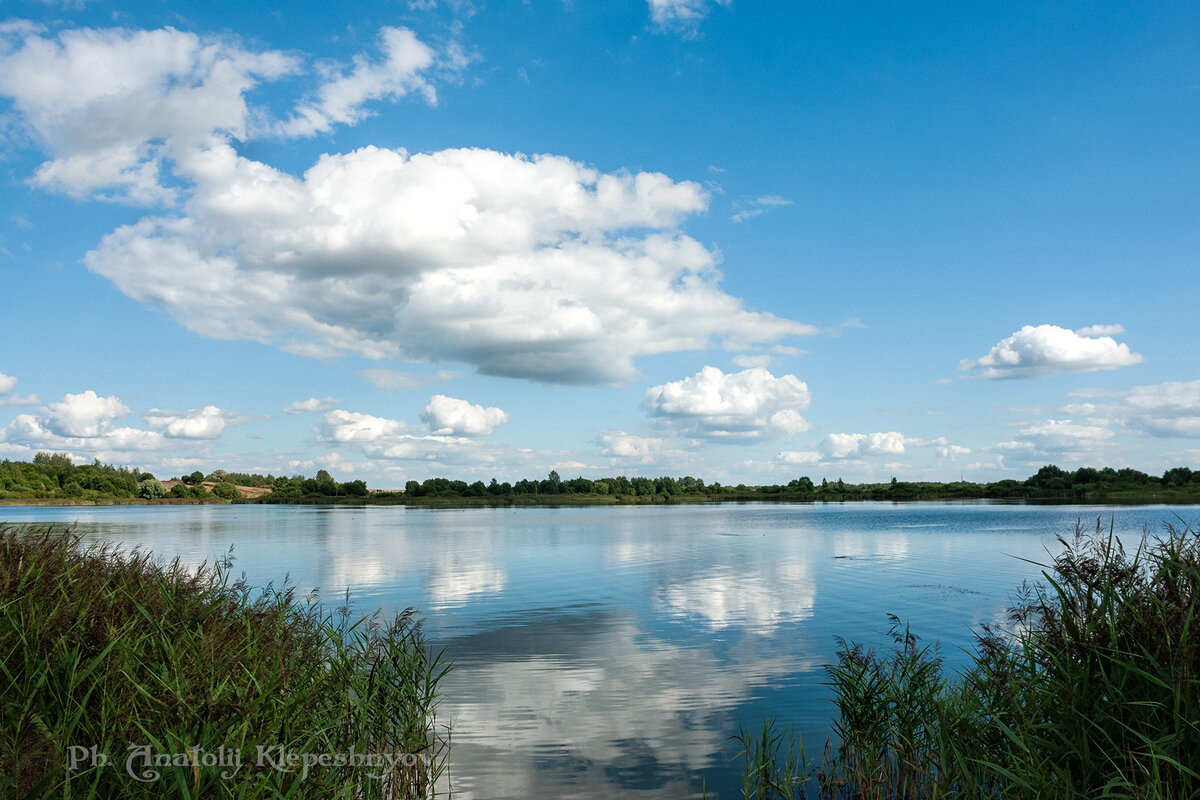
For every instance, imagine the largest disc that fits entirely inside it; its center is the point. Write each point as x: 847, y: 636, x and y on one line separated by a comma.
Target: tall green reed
x: 1094, y: 690
x: 105, y: 649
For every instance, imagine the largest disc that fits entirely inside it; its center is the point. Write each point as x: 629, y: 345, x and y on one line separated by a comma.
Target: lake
x: 612, y: 651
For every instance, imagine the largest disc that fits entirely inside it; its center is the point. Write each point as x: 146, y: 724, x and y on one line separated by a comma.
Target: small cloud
x: 391, y: 379
x: 746, y: 360
x: 204, y: 423
x: 846, y: 324
x: 681, y: 16
x: 311, y: 405
x: 798, y: 457
x: 1043, y: 350
x: 1059, y: 437
x: 743, y: 405
x: 760, y: 205
x: 341, y: 99
x: 449, y: 416
x: 622, y: 445
x: 9, y: 398
x: 21, y: 221
x: 854, y: 445
x: 1101, y: 330
x: 83, y: 415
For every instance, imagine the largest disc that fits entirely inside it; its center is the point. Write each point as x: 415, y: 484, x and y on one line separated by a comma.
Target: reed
x: 772, y: 769
x: 106, y: 649
x: 1093, y: 691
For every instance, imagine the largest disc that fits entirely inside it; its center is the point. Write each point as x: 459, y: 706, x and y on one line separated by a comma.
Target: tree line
x: 54, y: 476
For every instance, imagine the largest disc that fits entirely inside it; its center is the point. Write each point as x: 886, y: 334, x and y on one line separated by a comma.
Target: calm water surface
x: 611, y: 652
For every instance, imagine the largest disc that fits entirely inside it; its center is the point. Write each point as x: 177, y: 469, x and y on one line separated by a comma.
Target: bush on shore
x: 112, y: 650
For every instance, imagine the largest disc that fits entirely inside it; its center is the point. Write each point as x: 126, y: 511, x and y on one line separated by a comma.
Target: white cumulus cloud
x: 1038, y: 351
x: 80, y: 425
x: 749, y: 404
x: 203, y: 423
x: 351, y: 426
x: 83, y: 415
x: 520, y: 266
x: 385, y: 439
x: 451, y: 416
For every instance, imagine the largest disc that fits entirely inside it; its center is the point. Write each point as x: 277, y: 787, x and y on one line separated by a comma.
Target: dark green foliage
x: 52, y: 475
x: 226, y: 491
x: 109, y: 649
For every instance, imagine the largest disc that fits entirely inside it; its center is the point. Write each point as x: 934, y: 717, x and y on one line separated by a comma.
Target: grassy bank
x: 1094, y: 692
x: 104, y: 651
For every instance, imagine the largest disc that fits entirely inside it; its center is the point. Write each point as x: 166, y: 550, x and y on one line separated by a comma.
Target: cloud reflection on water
x: 594, y: 705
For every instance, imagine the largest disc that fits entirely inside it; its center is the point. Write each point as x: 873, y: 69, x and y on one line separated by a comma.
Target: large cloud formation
x: 1041, y: 350
x: 750, y: 404
x: 535, y: 267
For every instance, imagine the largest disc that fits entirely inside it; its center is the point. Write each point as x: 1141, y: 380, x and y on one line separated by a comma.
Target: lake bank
x: 1186, y: 496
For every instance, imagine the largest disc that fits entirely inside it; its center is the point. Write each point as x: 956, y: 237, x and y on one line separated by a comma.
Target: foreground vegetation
x: 101, y: 651
x: 53, y: 477
x: 1094, y: 693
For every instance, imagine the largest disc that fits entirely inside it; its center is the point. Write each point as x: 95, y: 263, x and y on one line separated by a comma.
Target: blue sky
x: 744, y: 241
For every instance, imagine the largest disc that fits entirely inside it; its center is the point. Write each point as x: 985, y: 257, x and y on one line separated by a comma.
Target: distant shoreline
x: 575, y: 500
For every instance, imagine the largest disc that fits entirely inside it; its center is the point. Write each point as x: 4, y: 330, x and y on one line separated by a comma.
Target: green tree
x: 151, y: 489
x: 226, y: 491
